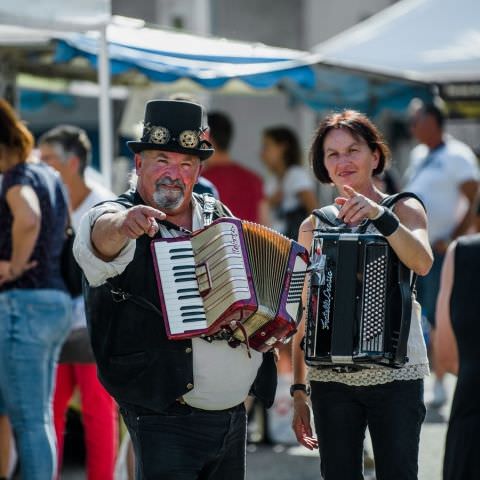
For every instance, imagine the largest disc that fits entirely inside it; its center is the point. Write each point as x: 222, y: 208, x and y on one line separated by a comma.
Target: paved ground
x: 288, y: 463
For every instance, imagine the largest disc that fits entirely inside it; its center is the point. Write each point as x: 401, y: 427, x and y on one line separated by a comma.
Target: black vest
x: 136, y: 362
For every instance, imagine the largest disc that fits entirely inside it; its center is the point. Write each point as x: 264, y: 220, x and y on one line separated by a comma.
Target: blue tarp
x: 164, y: 56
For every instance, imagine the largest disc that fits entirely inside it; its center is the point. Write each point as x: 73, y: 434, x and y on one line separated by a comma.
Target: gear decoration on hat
x: 159, y: 135
x: 188, y: 139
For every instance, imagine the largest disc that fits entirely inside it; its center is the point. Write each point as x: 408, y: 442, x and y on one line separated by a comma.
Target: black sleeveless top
x: 53, y: 202
x: 463, y: 441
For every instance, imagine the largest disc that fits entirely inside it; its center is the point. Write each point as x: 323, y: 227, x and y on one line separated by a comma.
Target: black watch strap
x: 299, y: 386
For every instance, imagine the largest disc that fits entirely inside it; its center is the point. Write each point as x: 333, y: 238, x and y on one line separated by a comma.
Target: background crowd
x: 44, y: 346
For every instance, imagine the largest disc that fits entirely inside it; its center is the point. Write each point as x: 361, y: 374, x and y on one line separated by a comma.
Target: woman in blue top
x: 34, y: 305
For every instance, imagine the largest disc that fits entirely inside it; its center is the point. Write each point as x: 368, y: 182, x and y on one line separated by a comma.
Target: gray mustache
x: 170, y: 182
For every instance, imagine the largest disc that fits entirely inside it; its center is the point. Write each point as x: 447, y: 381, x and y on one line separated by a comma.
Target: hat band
x: 160, y: 135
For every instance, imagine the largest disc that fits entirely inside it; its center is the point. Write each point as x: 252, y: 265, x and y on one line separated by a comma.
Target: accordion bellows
x: 234, y: 276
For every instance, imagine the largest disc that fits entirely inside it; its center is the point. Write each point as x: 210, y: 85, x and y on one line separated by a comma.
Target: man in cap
x: 182, y: 400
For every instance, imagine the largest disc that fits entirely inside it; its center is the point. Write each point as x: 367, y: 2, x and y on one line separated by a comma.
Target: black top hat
x: 174, y: 126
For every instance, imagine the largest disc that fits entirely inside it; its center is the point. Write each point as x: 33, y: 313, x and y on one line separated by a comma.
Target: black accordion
x: 359, y: 302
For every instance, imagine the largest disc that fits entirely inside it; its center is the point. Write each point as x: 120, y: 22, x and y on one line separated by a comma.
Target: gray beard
x: 169, y: 200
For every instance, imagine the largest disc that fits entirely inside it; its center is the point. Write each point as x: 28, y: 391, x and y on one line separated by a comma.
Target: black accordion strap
x: 406, y: 289
x: 328, y: 215
x: 391, y: 200
x: 120, y: 295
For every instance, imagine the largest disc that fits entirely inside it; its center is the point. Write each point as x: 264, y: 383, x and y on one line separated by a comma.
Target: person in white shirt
x: 182, y: 400
x: 444, y: 173
x: 291, y: 194
x: 67, y: 149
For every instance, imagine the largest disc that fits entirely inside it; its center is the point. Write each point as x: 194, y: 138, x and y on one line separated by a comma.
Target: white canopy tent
x: 431, y: 41
x: 28, y: 22
x: 55, y: 14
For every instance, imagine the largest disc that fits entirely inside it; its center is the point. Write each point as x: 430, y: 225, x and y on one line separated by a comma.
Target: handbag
x: 70, y: 270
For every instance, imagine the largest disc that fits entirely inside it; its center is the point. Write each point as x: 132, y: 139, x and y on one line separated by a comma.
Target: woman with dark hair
x: 348, y: 151
x: 292, y: 196
x: 34, y: 304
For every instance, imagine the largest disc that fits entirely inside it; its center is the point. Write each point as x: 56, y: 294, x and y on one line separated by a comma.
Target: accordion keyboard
x: 180, y: 286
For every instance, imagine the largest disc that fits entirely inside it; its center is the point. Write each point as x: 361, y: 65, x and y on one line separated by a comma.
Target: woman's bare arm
x: 446, y: 350
x: 25, y: 208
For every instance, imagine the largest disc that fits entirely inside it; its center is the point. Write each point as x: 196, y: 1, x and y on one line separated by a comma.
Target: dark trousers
x: 394, y: 413
x: 186, y: 443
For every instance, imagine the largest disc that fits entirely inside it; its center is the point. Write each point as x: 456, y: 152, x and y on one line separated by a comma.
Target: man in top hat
x: 181, y: 400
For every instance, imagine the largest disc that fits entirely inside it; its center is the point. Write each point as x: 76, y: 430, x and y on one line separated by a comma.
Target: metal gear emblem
x: 159, y: 135
x: 188, y: 139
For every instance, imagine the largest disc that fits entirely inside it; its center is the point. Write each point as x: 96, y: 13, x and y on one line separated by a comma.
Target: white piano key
x: 179, y: 254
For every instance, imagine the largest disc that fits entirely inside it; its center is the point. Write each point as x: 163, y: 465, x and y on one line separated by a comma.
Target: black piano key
x: 179, y: 274
x: 185, y: 290
x: 191, y: 320
x: 185, y: 279
x: 182, y: 267
x: 189, y: 314
x: 176, y: 257
x: 189, y: 307
x: 185, y: 297
x: 180, y: 249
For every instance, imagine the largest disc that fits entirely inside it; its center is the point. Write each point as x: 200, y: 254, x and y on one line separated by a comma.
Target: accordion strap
x: 391, y: 200
x: 120, y: 295
x: 328, y: 215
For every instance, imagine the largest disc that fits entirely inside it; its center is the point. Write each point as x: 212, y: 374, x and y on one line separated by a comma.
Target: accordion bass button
x: 189, y: 386
x: 188, y: 350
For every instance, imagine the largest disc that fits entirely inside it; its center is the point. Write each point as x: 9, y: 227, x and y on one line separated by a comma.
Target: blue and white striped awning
x: 166, y: 56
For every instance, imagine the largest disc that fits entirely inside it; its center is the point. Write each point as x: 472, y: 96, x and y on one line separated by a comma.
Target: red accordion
x: 233, y: 277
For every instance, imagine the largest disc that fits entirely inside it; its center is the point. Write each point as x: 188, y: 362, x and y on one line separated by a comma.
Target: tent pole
x: 105, y: 110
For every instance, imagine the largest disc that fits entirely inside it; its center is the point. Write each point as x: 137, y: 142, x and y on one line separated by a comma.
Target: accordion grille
x: 268, y: 253
x: 375, y: 291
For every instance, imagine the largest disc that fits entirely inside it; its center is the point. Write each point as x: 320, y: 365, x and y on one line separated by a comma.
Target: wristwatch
x: 300, y: 386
